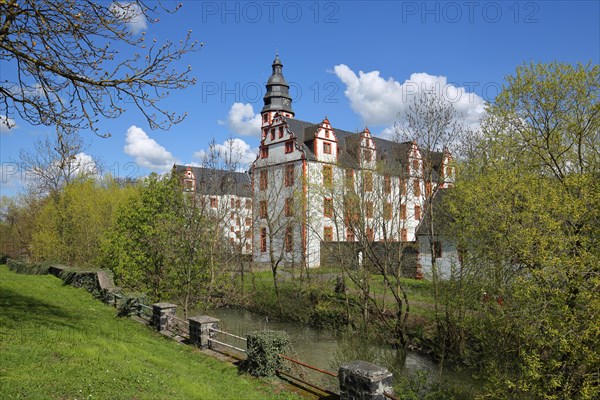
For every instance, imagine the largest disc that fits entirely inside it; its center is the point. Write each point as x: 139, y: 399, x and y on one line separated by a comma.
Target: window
x: 350, y: 179
x: 289, y: 239
x: 416, y: 187
x: 404, y: 234
x: 248, y: 247
x: 280, y: 132
x: 264, y: 152
x: 238, y: 203
x: 326, y: 133
x: 272, y: 133
x: 231, y: 229
x: 232, y: 215
x: 428, y: 188
x: 289, y: 146
x: 248, y: 204
x: 248, y: 221
x: 327, y: 176
x: 328, y: 233
x: 327, y: 148
x: 264, y: 182
x: 437, y: 249
x: 238, y: 221
x: 418, y: 213
x: 289, y: 175
x: 403, y: 187
x: 387, y: 210
x: 415, y: 164
x: 248, y: 234
x: 263, y: 240
x: 369, y: 209
x: 370, y: 234
x: 265, y: 117
x: 328, y: 207
x: 349, y: 235
x: 403, y: 211
x: 232, y: 204
x: 368, y: 177
x: 387, y: 184
x: 263, y: 209
x: 214, y: 202
x: 289, y: 207
x: 368, y: 155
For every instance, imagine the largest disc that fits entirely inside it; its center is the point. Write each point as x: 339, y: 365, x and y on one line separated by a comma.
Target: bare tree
x: 68, y: 68
x: 436, y: 127
x: 55, y: 162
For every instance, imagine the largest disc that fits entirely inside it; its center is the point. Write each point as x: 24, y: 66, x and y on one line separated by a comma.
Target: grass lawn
x: 57, y: 342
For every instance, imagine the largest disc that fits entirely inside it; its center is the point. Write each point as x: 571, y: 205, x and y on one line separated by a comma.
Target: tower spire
x: 278, y: 96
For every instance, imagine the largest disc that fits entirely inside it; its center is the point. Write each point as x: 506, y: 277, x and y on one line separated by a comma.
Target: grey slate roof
x: 218, y: 182
x: 390, y: 154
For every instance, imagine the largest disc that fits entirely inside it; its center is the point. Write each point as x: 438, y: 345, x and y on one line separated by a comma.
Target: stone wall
x: 333, y: 253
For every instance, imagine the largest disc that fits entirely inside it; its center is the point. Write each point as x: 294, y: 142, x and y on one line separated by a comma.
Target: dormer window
x: 265, y: 117
x: 273, y: 134
x: 326, y: 133
x: 280, y: 132
x: 327, y: 148
x: 368, y: 155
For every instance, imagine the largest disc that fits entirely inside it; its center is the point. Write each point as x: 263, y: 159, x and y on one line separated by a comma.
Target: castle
x: 313, y: 183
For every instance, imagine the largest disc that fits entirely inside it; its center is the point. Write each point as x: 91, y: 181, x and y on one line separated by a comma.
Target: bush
x: 22, y: 267
x: 263, y: 349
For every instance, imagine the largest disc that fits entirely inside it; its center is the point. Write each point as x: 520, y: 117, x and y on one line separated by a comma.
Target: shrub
x: 263, y: 349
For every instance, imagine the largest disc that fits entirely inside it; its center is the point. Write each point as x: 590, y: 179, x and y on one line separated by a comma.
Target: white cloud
x: 379, y: 101
x: 146, y: 151
x: 84, y: 164
x: 7, y: 124
x: 242, y: 120
x: 236, y: 150
x: 131, y: 13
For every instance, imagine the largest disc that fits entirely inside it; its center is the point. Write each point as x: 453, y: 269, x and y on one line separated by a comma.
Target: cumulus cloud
x: 379, y: 101
x: 242, y: 120
x: 235, y: 151
x: 131, y: 13
x: 146, y: 151
x: 6, y: 124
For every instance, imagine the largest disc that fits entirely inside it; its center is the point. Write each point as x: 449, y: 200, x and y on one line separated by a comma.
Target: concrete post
x: 161, y: 313
x: 361, y: 380
x: 200, y: 330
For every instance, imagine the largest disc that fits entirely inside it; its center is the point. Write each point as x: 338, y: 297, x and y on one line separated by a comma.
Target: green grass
x: 57, y: 342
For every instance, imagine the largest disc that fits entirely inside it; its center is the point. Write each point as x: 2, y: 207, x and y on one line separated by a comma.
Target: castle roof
x: 217, y: 181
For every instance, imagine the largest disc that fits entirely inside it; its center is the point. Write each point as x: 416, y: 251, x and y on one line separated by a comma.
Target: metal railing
x: 390, y: 396
x: 304, y: 381
x: 210, y: 339
x: 178, y: 326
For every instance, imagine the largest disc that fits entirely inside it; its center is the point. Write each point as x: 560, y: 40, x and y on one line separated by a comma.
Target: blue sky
x: 351, y: 61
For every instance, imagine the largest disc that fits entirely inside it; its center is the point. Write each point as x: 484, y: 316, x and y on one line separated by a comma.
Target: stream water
x: 315, y: 347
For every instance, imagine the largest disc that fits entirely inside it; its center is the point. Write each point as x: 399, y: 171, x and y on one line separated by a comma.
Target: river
x: 312, y: 346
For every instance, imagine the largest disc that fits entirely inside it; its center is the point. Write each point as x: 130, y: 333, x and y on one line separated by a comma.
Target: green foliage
x: 59, y: 343
x: 157, y: 243
x: 71, y: 223
x: 263, y: 349
x: 527, y: 212
x: 22, y: 267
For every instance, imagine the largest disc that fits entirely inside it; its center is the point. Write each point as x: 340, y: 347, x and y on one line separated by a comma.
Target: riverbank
x: 315, y: 301
x: 59, y: 342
